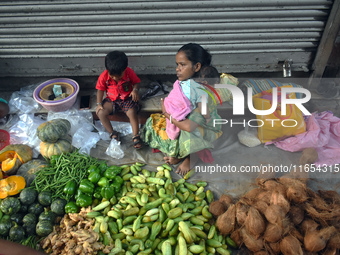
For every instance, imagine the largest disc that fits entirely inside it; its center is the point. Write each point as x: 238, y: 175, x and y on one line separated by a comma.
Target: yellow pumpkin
x: 11, y: 186
x: 47, y: 150
x: 13, y: 156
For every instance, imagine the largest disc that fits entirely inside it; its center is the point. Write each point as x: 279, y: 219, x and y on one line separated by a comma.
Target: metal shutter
x: 71, y: 37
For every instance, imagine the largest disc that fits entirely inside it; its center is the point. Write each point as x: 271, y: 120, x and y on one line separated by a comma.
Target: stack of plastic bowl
x: 44, y: 90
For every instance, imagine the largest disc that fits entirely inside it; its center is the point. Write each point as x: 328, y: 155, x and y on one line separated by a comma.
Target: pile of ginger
x: 74, y: 235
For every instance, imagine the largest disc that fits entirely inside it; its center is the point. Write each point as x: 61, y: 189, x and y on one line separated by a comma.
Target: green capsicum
x: 70, y: 188
x: 115, y: 186
x: 118, y: 180
x: 107, y: 192
x: 84, y: 200
x: 53, y: 159
x: 103, y: 181
x: 112, y: 171
x: 86, y: 186
x: 92, y: 168
x: 102, y: 167
x: 71, y: 207
x: 97, y: 193
x: 94, y: 176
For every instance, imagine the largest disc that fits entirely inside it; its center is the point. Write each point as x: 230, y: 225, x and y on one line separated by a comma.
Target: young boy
x: 121, y: 86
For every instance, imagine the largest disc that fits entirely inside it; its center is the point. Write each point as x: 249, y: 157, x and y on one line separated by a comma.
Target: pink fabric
x: 323, y: 134
x: 178, y: 106
x: 205, y: 155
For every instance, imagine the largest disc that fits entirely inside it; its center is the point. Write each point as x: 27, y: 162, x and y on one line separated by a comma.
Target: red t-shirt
x: 121, y: 90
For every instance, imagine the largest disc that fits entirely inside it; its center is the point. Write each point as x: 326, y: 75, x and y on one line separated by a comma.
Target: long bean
x: 68, y: 166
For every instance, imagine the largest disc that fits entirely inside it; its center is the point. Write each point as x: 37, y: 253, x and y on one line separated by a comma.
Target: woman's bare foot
x: 184, y: 167
x: 171, y: 160
x: 187, y: 164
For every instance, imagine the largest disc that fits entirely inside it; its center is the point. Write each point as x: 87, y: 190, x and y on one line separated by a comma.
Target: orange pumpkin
x: 11, y: 186
x: 13, y: 156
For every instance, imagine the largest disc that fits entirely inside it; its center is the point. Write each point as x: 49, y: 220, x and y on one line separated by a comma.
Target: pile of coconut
x: 281, y: 216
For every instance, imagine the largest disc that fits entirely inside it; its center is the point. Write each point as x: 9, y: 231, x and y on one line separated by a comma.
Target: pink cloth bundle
x: 178, y: 106
x: 323, y: 134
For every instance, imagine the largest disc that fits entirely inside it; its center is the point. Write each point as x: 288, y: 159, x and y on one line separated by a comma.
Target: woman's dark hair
x: 116, y: 62
x: 196, y: 54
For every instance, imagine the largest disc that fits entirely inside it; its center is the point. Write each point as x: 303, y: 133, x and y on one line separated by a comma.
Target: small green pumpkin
x: 27, y: 196
x: 44, y: 228
x: 63, y: 145
x: 29, y: 170
x: 29, y: 223
x: 36, y: 208
x: 45, y: 198
x: 48, y: 215
x: 51, y: 131
x: 5, y: 226
x: 17, y: 218
x: 58, y: 206
x: 17, y: 233
x: 30, y: 218
x: 10, y: 205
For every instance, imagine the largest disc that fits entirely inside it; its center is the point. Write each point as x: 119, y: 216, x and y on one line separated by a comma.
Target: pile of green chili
x: 62, y: 169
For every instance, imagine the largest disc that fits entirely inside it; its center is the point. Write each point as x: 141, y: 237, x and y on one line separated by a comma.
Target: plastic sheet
x: 84, y: 140
x: 77, y: 118
x: 22, y: 102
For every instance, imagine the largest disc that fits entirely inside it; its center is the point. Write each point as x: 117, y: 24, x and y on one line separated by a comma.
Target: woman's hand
x: 162, y: 105
x: 135, y: 96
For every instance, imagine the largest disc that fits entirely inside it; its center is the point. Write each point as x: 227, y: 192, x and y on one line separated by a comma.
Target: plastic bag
x: 85, y: 140
x: 115, y: 150
x: 248, y: 137
x: 22, y: 101
x: 24, y: 132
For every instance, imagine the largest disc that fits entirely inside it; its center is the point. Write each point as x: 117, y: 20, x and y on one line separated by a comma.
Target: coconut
x: 226, y: 221
x: 274, y: 248
x: 330, y: 251
x: 274, y: 185
x: 254, y: 223
x: 226, y: 200
x: 334, y: 241
x: 294, y: 232
x: 290, y: 246
x: 263, y: 252
x: 251, y: 196
x: 278, y: 199
x: 273, y: 233
x: 274, y: 214
x: 261, y: 206
x: 265, y: 196
x: 315, y: 241
x: 297, y: 193
x: 296, y: 214
x: 241, y: 212
x: 308, y: 225
x: 217, y: 208
x: 236, y: 237
x: 330, y: 195
x: 251, y: 242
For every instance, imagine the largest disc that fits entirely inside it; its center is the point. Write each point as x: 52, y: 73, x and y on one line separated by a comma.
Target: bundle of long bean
x: 68, y: 166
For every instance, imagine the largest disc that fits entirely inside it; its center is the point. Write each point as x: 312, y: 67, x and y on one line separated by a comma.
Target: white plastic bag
x: 248, y: 137
x: 115, y: 150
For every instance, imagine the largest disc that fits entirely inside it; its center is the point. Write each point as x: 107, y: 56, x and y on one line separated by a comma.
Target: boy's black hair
x: 210, y: 74
x: 116, y: 62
